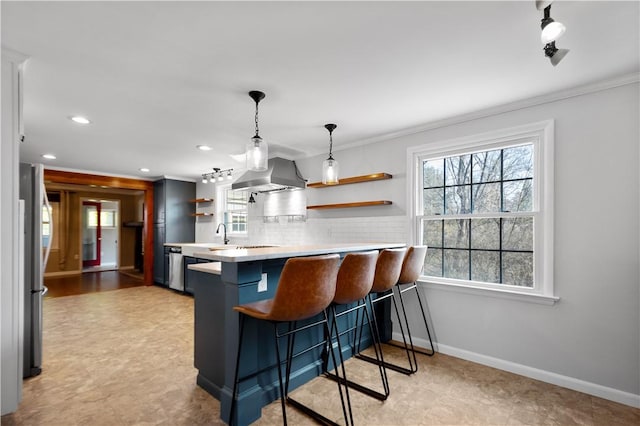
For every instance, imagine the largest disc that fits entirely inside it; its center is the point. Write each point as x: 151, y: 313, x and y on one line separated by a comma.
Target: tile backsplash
x: 330, y: 230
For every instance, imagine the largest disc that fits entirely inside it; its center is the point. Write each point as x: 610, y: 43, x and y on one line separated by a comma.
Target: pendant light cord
x: 330, y: 144
x: 257, y: 130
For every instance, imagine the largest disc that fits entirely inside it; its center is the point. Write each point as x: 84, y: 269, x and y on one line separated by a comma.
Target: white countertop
x: 210, y: 268
x: 188, y: 249
x: 265, y: 253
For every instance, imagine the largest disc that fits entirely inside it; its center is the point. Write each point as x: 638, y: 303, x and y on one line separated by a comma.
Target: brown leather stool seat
x: 355, y: 279
x: 411, y: 269
x: 388, y: 269
x: 306, y: 287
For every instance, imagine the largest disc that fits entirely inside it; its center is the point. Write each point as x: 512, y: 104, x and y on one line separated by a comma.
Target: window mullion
x: 442, y: 244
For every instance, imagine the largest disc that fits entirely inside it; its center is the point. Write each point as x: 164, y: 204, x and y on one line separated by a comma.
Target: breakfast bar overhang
x: 240, y: 276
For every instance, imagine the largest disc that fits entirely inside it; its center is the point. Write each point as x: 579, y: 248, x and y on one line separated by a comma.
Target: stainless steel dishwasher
x: 176, y: 280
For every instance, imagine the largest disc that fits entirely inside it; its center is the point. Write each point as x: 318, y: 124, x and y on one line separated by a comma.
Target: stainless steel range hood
x: 280, y: 174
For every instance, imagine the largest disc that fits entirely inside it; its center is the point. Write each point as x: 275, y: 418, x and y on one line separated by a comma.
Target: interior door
x: 91, y: 233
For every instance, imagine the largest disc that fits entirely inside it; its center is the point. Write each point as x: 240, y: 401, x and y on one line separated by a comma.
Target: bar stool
x: 388, y: 268
x: 306, y: 288
x: 411, y: 269
x: 355, y: 279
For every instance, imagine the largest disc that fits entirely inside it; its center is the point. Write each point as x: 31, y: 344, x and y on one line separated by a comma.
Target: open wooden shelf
x: 202, y: 200
x: 354, y: 179
x: 202, y: 214
x: 349, y: 205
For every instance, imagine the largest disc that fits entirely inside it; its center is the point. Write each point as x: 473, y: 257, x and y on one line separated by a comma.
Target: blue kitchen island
x: 239, y: 276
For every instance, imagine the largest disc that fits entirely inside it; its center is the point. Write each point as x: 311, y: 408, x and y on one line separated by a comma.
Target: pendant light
x: 330, y: 168
x: 257, y: 150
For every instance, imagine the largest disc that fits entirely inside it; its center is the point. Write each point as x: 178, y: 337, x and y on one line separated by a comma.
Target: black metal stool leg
x: 349, y: 383
x: 282, y: 400
x: 377, y: 348
x: 312, y: 413
x: 344, y: 372
x: 410, y: 348
x: 430, y: 352
x: 412, y: 363
x: 291, y: 338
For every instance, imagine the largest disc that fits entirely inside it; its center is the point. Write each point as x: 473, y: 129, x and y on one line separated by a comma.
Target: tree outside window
x: 483, y: 205
x: 469, y: 204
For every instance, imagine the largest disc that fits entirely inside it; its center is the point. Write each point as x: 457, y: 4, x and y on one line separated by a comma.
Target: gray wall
x: 590, y: 339
x: 593, y: 333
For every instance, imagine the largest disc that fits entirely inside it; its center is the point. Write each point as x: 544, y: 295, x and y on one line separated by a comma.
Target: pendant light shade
x: 257, y: 150
x: 330, y: 167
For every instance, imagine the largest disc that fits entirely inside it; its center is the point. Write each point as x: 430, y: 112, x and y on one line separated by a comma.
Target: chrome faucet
x: 226, y: 240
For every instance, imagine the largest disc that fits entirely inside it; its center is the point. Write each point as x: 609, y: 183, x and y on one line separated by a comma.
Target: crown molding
x: 13, y: 55
x: 93, y: 172
x: 500, y: 109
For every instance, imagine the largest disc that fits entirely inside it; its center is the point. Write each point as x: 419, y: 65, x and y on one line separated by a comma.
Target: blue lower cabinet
x: 216, y: 339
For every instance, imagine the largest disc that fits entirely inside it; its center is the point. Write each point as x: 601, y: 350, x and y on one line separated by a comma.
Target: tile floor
x: 125, y: 357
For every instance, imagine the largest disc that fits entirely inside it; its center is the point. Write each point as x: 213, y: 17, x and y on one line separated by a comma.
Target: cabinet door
x: 186, y: 261
x: 158, y: 254
x: 181, y: 225
x: 159, y: 202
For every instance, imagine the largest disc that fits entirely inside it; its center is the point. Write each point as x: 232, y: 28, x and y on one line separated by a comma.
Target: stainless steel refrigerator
x: 38, y: 235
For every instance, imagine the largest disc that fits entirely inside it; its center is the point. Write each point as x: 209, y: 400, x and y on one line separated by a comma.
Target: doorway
x: 100, y: 235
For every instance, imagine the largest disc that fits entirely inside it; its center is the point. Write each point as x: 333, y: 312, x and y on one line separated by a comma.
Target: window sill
x: 491, y: 292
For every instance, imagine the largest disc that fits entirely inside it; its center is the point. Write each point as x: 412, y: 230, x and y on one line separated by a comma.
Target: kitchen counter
x: 188, y: 249
x: 278, y: 252
x: 249, y: 275
x: 208, y: 268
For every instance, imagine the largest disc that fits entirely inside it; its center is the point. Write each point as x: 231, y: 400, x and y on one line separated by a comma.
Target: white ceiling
x: 159, y: 78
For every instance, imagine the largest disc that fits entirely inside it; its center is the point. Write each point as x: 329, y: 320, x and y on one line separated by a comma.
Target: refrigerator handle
x: 51, y: 230
x: 43, y: 290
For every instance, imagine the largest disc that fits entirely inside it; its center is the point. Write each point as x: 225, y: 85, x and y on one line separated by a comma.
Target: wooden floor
x: 90, y: 282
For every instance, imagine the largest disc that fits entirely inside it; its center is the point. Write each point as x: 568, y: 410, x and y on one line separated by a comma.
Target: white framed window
x: 234, y: 210
x: 484, y: 207
x: 107, y: 218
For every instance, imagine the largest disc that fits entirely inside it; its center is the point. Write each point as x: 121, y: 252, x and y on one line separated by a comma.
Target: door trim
x: 96, y: 261
x: 60, y: 176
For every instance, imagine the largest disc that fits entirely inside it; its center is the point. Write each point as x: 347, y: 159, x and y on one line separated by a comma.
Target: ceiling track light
x: 217, y: 175
x: 330, y: 167
x: 551, y: 31
x: 257, y: 149
x: 252, y: 200
x: 554, y: 54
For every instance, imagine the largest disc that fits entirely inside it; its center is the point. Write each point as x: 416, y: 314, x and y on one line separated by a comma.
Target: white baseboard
x: 589, y: 388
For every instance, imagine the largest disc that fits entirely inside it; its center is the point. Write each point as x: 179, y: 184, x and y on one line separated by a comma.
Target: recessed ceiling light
x: 80, y: 120
x: 144, y: 169
x: 49, y: 156
x: 203, y: 147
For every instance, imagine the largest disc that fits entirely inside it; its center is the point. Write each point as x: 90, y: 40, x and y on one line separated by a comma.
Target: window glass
x: 471, y: 246
x: 487, y: 166
x: 518, y: 162
x: 235, y: 214
x: 458, y: 170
